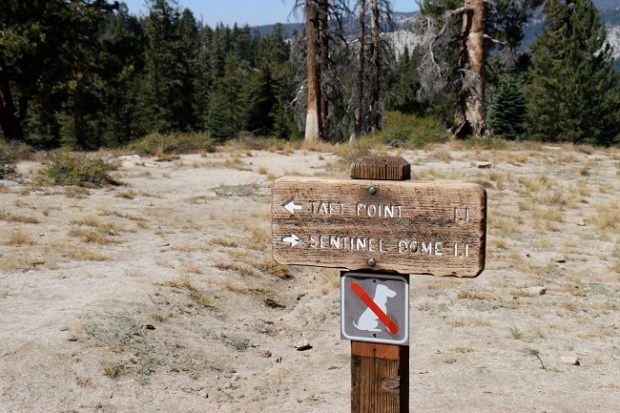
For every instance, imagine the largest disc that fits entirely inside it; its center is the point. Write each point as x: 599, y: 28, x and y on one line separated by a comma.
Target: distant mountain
x: 288, y: 29
x: 400, y: 20
x: 401, y: 36
x: 607, y: 4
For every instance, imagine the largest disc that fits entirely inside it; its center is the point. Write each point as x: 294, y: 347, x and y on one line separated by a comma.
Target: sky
x: 251, y: 12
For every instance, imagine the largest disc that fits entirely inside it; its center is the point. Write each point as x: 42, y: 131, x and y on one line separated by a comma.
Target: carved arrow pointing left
x: 291, y: 206
x: 293, y: 240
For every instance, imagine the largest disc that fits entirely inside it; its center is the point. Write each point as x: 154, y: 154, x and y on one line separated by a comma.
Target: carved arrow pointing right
x: 293, y: 240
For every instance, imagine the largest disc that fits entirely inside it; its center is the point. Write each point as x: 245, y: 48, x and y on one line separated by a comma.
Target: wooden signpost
x: 379, y: 222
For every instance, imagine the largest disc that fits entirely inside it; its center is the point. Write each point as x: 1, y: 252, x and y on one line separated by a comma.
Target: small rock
x: 533, y: 291
x: 10, y: 183
x: 574, y: 361
x: 271, y: 303
x: 303, y: 346
x: 483, y: 165
x: 127, y: 161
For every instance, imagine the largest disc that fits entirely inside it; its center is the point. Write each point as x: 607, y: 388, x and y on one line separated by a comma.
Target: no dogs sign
x: 375, y: 308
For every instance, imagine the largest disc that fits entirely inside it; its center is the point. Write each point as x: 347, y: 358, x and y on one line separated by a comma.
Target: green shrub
x: 412, y: 131
x: 484, y: 142
x: 66, y: 168
x: 174, y: 143
x: 352, y: 151
x: 7, y: 161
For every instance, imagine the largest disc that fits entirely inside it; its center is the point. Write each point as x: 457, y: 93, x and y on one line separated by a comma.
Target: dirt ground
x: 160, y: 295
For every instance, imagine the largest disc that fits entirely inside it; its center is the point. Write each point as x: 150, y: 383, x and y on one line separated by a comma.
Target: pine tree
x: 573, y: 91
x: 227, y: 111
x: 167, y: 94
x: 508, y: 109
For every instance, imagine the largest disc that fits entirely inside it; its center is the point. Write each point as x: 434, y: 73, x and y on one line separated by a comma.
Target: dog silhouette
x: 369, y: 321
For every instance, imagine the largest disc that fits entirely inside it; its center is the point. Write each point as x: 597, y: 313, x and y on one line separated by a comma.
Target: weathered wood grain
x: 379, y: 378
x: 403, y: 226
x: 392, y: 168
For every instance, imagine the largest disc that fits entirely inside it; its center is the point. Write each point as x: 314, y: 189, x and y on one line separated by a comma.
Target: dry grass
x: 442, y: 156
x: 331, y: 276
x: 190, y: 268
x: 503, y: 226
x: 270, y: 266
x: 247, y: 288
x: 141, y: 222
x: 468, y: 322
x: 241, y: 269
x: 111, y: 228
x: 606, y: 217
x: 18, y: 261
x: 197, y: 199
x: 23, y: 219
x: 260, y: 239
x: 85, y: 254
x: 92, y: 236
x: 547, y: 214
x: 77, y: 192
x: 498, y: 243
x: 224, y: 242
x: 128, y: 194
x: 112, y: 369
x: 185, y: 285
x: 536, y: 184
x: 20, y: 238
x: 476, y: 295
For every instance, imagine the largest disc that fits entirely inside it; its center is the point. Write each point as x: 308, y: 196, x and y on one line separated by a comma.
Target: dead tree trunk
x: 469, y: 110
x: 323, y: 63
x: 376, y: 63
x: 359, y: 111
x: 313, y: 131
x: 10, y: 117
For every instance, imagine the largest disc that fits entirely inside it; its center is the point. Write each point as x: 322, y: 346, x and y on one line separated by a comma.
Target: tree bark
x: 358, y: 113
x: 469, y: 110
x: 313, y: 131
x: 323, y: 63
x: 376, y: 63
x: 10, y: 117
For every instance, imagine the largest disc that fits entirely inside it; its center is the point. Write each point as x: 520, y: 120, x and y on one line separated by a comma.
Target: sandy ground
x: 161, y: 296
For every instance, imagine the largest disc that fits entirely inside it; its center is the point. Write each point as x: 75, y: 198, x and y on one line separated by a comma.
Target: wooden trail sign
x: 403, y: 226
x: 379, y: 221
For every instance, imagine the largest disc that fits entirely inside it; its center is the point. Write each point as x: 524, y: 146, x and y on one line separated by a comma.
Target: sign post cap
x: 394, y: 168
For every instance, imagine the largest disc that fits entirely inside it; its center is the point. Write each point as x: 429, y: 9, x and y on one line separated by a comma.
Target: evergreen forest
x: 87, y: 74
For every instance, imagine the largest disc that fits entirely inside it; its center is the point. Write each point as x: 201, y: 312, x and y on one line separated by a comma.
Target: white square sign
x: 375, y: 308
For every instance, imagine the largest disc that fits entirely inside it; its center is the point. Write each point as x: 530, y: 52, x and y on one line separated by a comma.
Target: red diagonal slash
x: 374, y: 307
